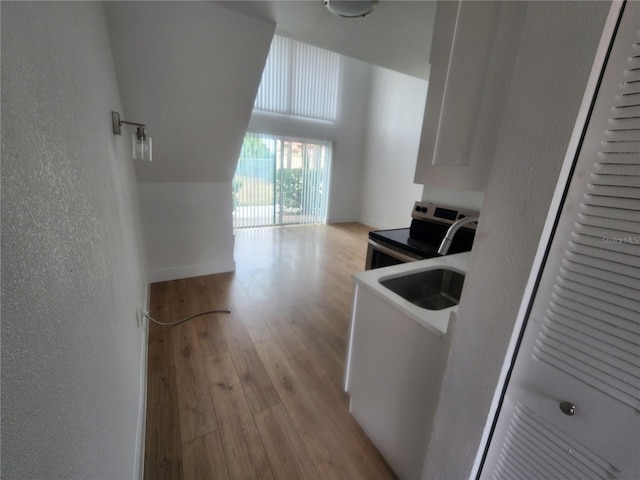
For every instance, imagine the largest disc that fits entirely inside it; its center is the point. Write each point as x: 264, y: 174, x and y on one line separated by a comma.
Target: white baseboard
x: 142, y: 407
x: 342, y: 220
x: 373, y: 223
x: 187, y: 271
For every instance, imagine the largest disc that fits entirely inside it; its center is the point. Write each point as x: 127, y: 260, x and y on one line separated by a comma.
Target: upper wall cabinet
x: 472, y: 60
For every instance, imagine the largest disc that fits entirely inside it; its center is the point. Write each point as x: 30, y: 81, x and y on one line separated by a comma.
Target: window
x: 280, y: 181
x: 300, y: 79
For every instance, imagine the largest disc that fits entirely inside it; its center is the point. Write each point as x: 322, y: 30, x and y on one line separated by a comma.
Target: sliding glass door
x: 281, y: 181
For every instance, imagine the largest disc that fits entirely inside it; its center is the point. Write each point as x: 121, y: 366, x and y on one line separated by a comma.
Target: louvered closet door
x: 582, y: 340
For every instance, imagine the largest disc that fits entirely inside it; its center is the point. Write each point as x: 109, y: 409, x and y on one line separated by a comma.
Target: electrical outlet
x: 140, y: 315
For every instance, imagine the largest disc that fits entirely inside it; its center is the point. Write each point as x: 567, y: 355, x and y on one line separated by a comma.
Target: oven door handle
x: 392, y: 253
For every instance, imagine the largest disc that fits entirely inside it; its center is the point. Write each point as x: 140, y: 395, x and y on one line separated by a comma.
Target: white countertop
x: 438, y: 321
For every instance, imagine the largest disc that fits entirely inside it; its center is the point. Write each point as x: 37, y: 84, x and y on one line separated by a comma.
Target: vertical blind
x: 281, y: 181
x: 300, y: 79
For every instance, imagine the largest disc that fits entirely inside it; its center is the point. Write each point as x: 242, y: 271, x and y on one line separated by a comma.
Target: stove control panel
x: 442, y: 213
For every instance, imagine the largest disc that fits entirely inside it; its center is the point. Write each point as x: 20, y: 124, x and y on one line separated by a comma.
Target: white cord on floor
x: 173, y: 324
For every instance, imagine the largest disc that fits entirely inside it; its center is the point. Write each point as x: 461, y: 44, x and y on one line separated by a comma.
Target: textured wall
x: 557, y: 49
x: 73, y: 268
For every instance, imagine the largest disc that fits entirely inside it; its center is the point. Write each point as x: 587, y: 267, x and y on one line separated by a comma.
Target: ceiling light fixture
x: 350, y: 8
x: 140, y: 141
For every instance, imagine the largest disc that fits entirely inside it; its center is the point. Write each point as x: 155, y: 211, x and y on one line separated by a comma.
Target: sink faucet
x: 455, y: 226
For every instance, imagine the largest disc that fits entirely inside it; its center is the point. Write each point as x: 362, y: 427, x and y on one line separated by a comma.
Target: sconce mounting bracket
x: 115, y: 121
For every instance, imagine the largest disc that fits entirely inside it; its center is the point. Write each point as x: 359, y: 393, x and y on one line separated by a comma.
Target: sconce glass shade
x: 141, y: 145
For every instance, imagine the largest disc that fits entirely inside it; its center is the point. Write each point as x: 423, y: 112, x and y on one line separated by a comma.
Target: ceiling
x: 396, y: 35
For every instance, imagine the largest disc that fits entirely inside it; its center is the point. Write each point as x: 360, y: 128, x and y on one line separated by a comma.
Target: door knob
x: 568, y: 408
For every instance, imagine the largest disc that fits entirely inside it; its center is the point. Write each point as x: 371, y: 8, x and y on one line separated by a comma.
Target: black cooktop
x: 423, y: 238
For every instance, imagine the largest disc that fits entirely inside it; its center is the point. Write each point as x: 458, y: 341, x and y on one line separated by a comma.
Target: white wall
x: 73, y: 261
x: 187, y: 221
x: 556, y: 52
x: 190, y: 70
x: 393, y: 127
x: 346, y: 133
x: 456, y: 198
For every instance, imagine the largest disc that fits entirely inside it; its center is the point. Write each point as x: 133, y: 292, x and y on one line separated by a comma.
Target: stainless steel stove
x: 429, y: 224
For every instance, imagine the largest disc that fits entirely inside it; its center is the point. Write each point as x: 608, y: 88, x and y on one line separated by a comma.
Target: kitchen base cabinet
x: 394, y: 372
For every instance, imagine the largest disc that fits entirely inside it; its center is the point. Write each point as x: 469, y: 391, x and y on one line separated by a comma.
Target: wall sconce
x: 140, y: 141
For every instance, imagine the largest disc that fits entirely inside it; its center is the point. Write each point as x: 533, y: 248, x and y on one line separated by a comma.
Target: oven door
x: 379, y: 255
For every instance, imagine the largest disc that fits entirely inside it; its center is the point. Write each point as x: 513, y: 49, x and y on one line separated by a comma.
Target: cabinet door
x: 394, y: 373
x: 572, y: 405
x: 472, y: 59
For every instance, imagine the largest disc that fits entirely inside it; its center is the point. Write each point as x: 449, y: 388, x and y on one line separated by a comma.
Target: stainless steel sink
x: 430, y: 289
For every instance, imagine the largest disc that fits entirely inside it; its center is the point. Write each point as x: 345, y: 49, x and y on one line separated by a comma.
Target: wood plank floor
x: 258, y: 393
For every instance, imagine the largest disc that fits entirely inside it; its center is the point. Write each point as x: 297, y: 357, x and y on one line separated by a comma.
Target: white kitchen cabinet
x: 472, y: 60
x: 396, y: 361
